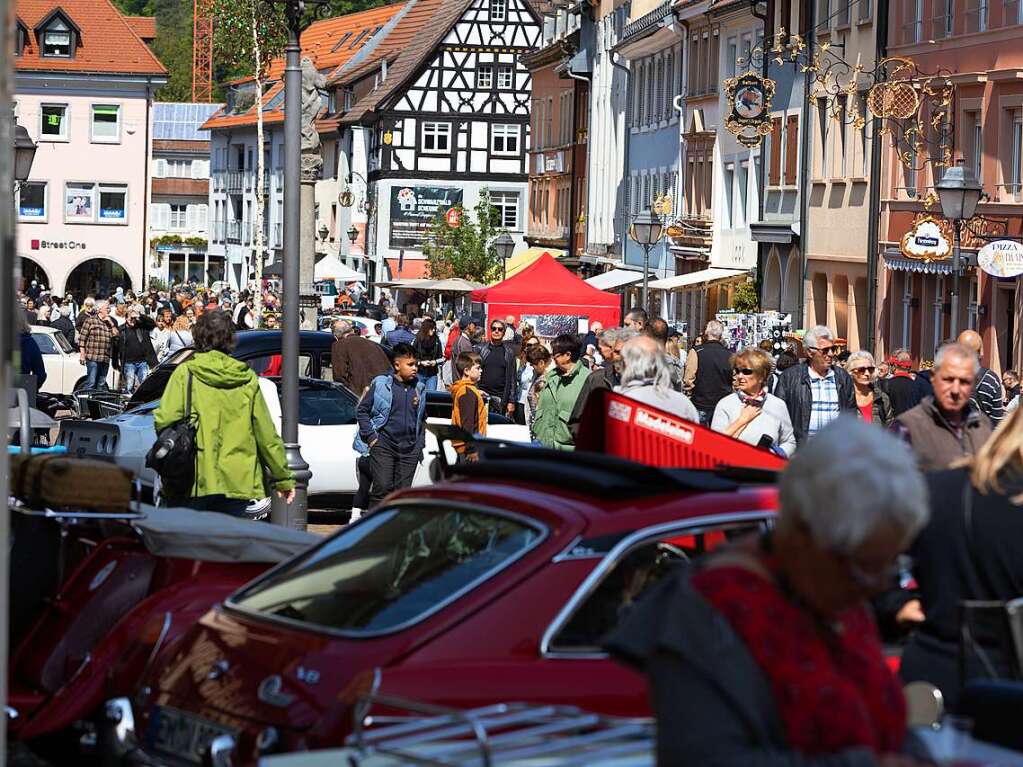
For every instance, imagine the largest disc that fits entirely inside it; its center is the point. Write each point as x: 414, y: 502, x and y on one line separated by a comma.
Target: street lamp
x: 353, y: 234
x: 646, y: 230
x: 958, y: 192
x: 24, y: 153
x: 504, y: 245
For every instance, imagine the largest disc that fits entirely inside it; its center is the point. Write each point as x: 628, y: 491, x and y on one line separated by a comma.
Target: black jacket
x: 141, y: 331
x: 713, y: 375
x: 510, y: 369
x: 794, y: 388
x: 67, y: 327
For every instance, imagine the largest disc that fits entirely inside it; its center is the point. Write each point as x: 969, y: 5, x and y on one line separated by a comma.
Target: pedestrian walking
x: 871, y: 399
x: 646, y: 378
x: 62, y: 322
x: 987, y: 392
x: 96, y: 346
x: 903, y: 388
x: 562, y: 386
x: 967, y: 563
x: 401, y: 333
x: 708, y: 372
x: 468, y: 404
x: 88, y: 310
x: 429, y: 353
x: 31, y: 357
x: 607, y: 375
x: 135, y: 349
x: 499, y: 370
x: 525, y: 376
x: 658, y: 330
x: 236, y: 441
x: 751, y: 413
x: 180, y: 335
x: 392, y: 418
x: 636, y: 319
x: 1010, y: 381
x: 354, y: 360
x: 816, y: 391
x: 539, y: 360
x: 948, y: 426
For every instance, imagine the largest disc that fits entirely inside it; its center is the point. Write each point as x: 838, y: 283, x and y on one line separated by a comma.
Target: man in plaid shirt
x: 95, y: 344
x: 817, y: 391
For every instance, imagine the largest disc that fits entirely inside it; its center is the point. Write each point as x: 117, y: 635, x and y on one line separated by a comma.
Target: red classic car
x: 496, y: 586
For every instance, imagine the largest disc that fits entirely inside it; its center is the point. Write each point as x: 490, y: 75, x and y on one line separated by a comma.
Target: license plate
x: 183, y: 735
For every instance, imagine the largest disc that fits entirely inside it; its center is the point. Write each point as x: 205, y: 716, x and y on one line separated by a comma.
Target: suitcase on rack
x: 59, y: 482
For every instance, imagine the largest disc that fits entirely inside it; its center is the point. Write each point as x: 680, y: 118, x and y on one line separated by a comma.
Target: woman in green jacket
x: 235, y: 434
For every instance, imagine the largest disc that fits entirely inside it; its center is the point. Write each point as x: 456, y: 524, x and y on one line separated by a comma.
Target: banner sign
x: 414, y: 208
x: 1001, y: 258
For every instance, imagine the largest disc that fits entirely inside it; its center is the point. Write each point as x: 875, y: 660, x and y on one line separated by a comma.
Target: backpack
x: 174, y: 454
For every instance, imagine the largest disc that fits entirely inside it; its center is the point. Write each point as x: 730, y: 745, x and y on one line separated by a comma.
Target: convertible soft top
x: 213, y: 537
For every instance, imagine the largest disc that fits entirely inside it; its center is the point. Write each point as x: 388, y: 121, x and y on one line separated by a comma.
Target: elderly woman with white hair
x: 751, y: 413
x: 871, y: 400
x: 765, y: 653
x: 646, y: 377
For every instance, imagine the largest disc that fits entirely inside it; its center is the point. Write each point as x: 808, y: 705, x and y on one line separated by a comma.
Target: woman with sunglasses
x: 751, y: 414
x: 873, y: 404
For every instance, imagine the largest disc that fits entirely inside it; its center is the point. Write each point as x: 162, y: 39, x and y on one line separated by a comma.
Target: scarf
x: 832, y: 687
x: 756, y: 400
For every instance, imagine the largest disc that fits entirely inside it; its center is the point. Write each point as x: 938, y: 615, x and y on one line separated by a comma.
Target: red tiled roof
x: 318, y: 43
x: 412, y: 24
x: 143, y: 26
x: 109, y: 44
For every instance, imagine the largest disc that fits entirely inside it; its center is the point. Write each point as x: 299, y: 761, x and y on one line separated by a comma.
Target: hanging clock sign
x: 454, y: 218
x: 749, y: 104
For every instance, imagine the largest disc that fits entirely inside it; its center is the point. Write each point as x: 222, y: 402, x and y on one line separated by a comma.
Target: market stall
x: 550, y: 298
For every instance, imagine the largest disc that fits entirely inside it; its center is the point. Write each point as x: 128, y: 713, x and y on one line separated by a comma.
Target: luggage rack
x: 500, y: 734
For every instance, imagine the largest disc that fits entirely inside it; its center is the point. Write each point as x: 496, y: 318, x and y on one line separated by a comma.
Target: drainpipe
x: 146, y: 186
x: 874, y: 214
x: 804, y: 172
x: 765, y: 63
x: 571, y: 191
x: 625, y: 151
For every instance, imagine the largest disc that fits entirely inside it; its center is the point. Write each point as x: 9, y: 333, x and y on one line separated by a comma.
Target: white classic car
x: 65, y: 373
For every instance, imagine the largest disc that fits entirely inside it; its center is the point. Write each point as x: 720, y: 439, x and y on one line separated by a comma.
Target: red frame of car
x: 484, y: 645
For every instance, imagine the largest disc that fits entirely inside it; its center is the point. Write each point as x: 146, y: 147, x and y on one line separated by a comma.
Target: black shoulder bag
x: 174, y: 455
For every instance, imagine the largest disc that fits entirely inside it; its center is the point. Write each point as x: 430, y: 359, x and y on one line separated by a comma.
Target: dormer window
x: 58, y: 35
x: 57, y: 39
x: 20, y: 38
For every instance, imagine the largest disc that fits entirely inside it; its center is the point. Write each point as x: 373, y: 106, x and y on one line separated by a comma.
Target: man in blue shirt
x: 401, y: 333
x: 392, y: 417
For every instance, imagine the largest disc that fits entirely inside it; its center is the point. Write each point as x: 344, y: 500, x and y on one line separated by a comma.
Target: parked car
x: 496, y: 586
x: 135, y: 583
x: 326, y: 430
x: 365, y: 325
x: 65, y: 373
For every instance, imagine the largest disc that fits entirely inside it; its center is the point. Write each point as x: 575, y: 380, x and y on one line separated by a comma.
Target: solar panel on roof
x: 355, y: 42
x: 180, y: 122
x: 341, y: 42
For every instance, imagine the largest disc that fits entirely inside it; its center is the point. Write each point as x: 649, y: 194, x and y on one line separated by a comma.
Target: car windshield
x: 327, y: 406
x: 63, y: 343
x: 396, y: 567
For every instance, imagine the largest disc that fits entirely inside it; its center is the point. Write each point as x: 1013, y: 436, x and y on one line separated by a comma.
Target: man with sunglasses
x: 499, y: 372
x: 817, y: 391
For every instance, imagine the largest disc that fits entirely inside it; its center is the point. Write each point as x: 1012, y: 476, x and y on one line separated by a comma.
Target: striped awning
x: 897, y: 262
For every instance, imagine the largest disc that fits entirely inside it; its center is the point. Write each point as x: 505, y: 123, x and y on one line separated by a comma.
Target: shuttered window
x: 791, y: 149
x: 774, y: 173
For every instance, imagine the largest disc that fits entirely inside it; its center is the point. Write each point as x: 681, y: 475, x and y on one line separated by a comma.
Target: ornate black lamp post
x: 504, y: 245
x: 958, y: 192
x: 646, y: 230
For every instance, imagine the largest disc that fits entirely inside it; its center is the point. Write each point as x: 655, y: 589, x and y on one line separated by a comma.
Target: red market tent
x: 546, y: 287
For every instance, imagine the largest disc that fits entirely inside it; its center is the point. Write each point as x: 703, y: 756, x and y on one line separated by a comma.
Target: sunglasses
x: 868, y: 370
x: 828, y: 352
x: 742, y: 371
x: 496, y: 329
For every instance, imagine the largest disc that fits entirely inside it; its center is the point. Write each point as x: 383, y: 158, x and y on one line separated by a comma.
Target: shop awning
x: 411, y: 268
x: 699, y: 279
x: 614, y: 278
x: 894, y: 260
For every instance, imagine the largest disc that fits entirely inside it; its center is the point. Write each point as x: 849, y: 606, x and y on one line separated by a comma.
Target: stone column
x: 312, y: 160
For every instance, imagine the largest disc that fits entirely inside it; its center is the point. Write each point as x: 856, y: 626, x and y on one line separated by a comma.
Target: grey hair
x: 626, y: 334
x: 609, y: 337
x: 956, y: 350
x: 640, y: 363
x: 815, y: 334
x: 102, y: 305
x: 841, y: 515
x: 862, y: 354
x: 714, y: 331
x: 341, y: 328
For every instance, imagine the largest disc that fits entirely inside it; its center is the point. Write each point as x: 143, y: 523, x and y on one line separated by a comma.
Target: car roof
x: 248, y: 342
x: 43, y: 329
x: 607, y: 494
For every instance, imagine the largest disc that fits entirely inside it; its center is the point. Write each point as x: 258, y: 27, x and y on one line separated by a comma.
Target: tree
x: 252, y: 31
x: 466, y: 251
x: 745, y: 298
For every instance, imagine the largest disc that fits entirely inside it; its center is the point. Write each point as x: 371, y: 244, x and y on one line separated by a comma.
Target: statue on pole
x: 313, y: 82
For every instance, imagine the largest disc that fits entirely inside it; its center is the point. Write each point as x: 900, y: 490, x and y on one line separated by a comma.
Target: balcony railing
x: 234, y: 231
x: 217, y: 231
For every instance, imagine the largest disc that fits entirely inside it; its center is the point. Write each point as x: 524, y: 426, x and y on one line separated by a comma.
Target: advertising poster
x: 413, y: 209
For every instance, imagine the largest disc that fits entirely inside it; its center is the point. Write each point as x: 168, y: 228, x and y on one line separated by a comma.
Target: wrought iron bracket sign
x: 749, y: 105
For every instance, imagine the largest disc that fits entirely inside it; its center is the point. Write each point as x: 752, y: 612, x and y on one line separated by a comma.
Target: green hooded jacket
x: 555, y: 404
x: 236, y: 437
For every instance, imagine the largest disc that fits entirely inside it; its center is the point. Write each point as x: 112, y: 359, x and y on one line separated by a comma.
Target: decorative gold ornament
x: 749, y: 103
x: 893, y: 100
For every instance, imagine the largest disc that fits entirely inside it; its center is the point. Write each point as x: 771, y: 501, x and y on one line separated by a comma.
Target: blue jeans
x: 429, y: 380
x: 134, y: 373
x: 96, y: 374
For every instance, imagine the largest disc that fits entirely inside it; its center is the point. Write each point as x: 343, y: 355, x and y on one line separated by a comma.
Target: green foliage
x: 745, y: 298
x: 173, y: 46
x: 233, y: 43
x: 467, y: 251
x: 176, y: 239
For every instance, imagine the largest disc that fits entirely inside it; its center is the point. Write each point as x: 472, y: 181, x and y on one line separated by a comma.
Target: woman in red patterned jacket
x: 765, y: 654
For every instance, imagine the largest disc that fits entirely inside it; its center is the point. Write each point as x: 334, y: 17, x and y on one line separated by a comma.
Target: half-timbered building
x: 448, y: 117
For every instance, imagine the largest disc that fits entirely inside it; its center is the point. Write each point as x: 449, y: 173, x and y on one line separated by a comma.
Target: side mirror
x: 925, y: 704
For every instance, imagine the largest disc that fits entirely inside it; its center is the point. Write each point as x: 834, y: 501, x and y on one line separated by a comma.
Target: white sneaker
x: 356, y: 513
